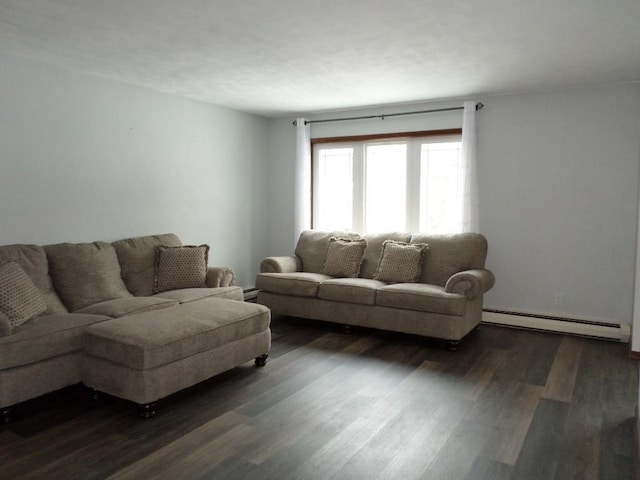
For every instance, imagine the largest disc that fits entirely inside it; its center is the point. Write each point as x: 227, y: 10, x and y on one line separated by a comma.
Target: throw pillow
x: 400, y: 262
x: 20, y: 299
x: 181, y: 267
x: 5, y: 325
x: 344, y: 256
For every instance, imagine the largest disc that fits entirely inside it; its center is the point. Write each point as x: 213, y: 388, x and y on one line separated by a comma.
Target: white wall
x: 86, y: 159
x: 558, y: 188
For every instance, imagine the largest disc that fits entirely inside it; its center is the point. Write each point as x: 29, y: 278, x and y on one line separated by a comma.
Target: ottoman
x: 151, y: 355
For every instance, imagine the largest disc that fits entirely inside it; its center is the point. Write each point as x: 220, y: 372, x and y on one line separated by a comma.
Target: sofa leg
x: 147, y: 410
x: 261, y: 361
x: 5, y: 415
x: 452, y: 345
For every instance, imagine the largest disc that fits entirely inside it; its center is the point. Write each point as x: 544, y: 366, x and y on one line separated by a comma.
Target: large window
x: 388, y: 183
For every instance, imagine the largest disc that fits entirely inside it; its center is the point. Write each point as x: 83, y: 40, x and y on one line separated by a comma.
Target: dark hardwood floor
x: 510, y: 404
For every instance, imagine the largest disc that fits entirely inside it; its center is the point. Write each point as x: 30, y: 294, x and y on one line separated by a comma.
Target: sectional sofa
x: 430, y: 285
x: 139, y: 318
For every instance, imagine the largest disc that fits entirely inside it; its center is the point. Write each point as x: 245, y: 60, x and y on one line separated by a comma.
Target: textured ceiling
x: 276, y: 57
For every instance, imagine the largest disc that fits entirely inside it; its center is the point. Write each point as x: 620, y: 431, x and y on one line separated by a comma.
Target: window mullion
x: 413, y: 185
x: 358, y: 187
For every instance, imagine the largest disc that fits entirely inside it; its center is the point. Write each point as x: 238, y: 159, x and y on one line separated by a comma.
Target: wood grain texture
x: 511, y: 404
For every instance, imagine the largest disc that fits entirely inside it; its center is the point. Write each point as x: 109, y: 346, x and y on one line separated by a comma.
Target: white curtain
x: 302, y: 180
x: 470, y: 221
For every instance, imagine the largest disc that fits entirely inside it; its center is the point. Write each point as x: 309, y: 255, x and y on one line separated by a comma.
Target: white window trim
x: 414, y: 144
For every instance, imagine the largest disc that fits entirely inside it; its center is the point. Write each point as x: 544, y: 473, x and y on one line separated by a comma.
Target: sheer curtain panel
x: 469, y: 177
x: 302, y: 180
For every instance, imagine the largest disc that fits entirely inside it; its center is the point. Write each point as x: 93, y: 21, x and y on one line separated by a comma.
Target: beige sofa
x: 92, y: 316
x: 444, y: 300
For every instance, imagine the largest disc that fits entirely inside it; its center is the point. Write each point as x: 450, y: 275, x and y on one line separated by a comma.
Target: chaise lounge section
x: 91, y: 312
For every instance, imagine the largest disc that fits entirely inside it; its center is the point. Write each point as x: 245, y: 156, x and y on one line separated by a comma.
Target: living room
x: 94, y: 150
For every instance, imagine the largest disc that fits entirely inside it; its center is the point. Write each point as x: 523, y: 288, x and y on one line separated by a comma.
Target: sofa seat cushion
x: 45, y: 337
x: 421, y: 297
x: 152, y: 339
x: 300, y: 284
x: 120, y: 307
x: 186, y: 295
x: 350, y: 290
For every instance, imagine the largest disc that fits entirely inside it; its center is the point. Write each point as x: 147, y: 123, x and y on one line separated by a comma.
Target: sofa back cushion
x: 137, y: 257
x: 449, y: 254
x: 312, y: 248
x: 33, y: 260
x: 85, y: 273
x: 373, y: 251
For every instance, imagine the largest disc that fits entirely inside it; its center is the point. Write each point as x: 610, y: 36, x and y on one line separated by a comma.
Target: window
x: 386, y: 183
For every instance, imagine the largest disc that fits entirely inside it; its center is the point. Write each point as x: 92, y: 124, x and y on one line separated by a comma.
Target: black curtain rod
x: 385, y: 115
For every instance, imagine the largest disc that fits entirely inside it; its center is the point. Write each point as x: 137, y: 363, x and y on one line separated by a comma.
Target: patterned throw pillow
x: 400, y: 262
x: 20, y: 299
x: 344, y: 256
x: 181, y: 267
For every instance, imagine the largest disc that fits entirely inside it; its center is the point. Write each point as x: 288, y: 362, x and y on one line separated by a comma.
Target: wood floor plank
x: 367, y: 405
x: 562, y: 377
x: 539, y: 455
x: 513, y: 423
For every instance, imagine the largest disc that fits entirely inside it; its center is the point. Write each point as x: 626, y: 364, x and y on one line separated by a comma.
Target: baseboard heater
x: 250, y: 294
x: 546, y: 323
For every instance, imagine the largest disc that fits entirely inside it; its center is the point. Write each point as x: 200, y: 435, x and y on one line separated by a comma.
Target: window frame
x: 413, y: 188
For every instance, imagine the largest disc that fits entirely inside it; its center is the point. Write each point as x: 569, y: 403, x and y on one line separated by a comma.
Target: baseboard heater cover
x: 250, y: 294
x: 572, y: 326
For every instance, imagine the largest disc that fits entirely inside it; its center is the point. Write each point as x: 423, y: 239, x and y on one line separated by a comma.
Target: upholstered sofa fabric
x: 149, y: 340
x: 48, y: 351
x: 312, y: 248
x: 302, y: 284
x: 85, y: 273
x: 137, y: 258
x: 181, y: 267
x: 441, y: 297
x: 44, y: 338
x: 372, y: 253
x: 421, y: 297
x: 20, y: 299
x: 344, y: 256
x: 356, y: 290
x: 33, y: 260
x: 400, y: 262
x: 186, y: 295
x: 119, y: 307
x: 450, y: 254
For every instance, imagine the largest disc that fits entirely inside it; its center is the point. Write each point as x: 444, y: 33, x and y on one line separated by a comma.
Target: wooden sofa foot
x: 95, y: 395
x: 147, y: 410
x: 261, y: 361
x: 453, y: 345
x: 5, y: 415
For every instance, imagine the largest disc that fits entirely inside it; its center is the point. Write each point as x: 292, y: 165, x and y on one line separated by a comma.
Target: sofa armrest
x: 287, y: 264
x: 470, y: 283
x: 220, y: 277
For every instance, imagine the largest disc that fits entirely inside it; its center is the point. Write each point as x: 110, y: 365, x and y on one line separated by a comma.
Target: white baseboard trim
x: 614, y: 331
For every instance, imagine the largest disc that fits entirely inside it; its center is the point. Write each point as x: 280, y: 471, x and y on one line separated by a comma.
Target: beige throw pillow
x: 20, y: 299
x: 181, y: 267
x: 400, y: 262
x: 344, y: 256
